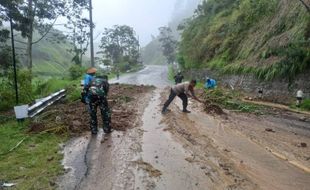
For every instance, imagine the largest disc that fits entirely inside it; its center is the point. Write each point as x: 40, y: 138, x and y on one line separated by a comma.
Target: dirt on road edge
x: 72, y: 117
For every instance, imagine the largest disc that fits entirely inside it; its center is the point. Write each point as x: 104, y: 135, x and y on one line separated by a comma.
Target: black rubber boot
x: 93, y: 130
x: 186, y: 111
x: 107, y: 130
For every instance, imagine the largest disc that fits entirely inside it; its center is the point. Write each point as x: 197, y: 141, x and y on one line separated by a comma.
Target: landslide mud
x: 106, y: 161
x: 180, y: 151
x: 73, y: 118
x: 235, y: 149
x: 167, y: 156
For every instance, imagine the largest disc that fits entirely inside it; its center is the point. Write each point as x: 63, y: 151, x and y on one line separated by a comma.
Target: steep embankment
x: 266, y: 38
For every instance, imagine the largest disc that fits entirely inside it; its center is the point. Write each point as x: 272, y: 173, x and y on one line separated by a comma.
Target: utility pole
x: 92, y: 61
x: 14, y: 61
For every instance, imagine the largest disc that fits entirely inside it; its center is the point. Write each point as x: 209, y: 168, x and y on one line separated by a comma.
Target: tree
x: 120, y: 45
x: 80, y: 30
x: 38, y: 12
x: 5, y: 60
x: 5, y: 57
x: 40, y: 15
x: 168, y: 43
x: 29, y: 15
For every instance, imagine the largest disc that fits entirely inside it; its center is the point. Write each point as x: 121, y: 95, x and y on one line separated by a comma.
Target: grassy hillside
x: 51, y: 56
x: 268, y: 38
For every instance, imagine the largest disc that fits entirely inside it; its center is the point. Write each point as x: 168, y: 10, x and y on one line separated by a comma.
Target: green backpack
x: 99, y: 87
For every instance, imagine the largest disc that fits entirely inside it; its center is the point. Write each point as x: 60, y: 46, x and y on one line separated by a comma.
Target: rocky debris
x: 52, y: 183
x: 248, y: 98
x: 153, y: 172
x: 270, y: 130
x: 209, y: 106
x: 303, y: 119
x: 302, y: 145
x: 73, y: 118
x: 226, y: 150
x: 213, y: 108
x: 50, y: 158
x: 189, y: 159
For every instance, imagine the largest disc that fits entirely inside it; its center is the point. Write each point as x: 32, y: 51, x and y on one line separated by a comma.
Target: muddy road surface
x: 178, y: 151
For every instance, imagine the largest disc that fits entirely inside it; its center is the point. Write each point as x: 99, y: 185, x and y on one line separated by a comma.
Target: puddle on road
x: 166, y: 155
x: 74, y: 162
x: 94, y: 162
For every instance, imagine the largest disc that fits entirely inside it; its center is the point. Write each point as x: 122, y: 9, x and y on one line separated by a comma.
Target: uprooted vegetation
x: 73, y: 118
x: 30, y: 153
x: 220, y: 98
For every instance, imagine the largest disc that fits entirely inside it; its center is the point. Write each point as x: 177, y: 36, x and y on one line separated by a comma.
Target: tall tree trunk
x: 81, y: 54
x: 92, y: 56
x: 29, y: 52
x: 30, y: 35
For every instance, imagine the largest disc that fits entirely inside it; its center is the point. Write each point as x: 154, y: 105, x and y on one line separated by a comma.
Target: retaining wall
x: 277, y: 90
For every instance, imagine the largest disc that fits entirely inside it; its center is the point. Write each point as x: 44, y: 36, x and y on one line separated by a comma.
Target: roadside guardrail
x: 26, y: 111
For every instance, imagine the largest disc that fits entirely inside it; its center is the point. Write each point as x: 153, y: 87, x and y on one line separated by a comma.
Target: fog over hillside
x: 183, y: 9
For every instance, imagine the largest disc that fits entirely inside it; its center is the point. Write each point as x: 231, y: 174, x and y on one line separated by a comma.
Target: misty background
x: 145, y: 16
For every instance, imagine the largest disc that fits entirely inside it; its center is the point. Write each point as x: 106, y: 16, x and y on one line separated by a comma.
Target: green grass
x: 43, y: 88
x: 35, y: 163
x: 199, y: 85
x: 262, y: 38
x: 46, y: 87
x: 305, y: 105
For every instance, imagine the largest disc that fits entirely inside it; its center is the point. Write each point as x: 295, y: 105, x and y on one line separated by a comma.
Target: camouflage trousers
x: 92, y: 106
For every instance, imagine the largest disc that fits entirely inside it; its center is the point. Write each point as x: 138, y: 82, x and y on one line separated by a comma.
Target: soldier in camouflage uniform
x: 97, y: 92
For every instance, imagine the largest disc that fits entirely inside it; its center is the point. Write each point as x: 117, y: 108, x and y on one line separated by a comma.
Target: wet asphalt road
x: 114, y: 163
x: 92, y: 164
x: 150, y: 75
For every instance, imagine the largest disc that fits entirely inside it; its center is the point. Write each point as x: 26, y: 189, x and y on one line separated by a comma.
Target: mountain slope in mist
x: 151, y: 53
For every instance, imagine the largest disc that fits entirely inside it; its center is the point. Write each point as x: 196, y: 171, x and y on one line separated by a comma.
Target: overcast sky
x: 145, y: 16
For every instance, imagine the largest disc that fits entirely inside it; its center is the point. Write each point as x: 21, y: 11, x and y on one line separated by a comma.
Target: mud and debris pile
x: 210, y: 105
x: 73, y: 118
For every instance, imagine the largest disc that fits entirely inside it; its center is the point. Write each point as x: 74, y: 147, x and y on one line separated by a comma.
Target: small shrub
x: 73, y: 93
x: 306, y: 104
x: 50, y: 86
x: 76, y: 72
x: 229, y: 100
x: 7, y: 89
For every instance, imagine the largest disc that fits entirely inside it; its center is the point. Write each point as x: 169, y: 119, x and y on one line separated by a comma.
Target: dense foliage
x: 268, y: 38
x: 7, y: 90
x: 120, y: 47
